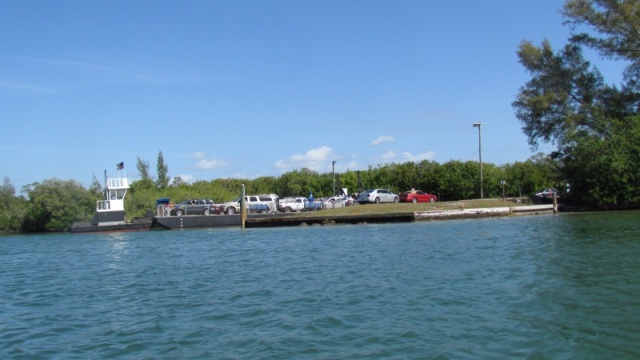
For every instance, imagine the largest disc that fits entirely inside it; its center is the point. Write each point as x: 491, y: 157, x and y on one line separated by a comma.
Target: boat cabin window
x: 116, y: 194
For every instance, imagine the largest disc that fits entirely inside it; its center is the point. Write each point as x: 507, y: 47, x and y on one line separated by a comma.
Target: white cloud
x: 186, y: 178
x: 26, y: 87
x: 352, y: 165
x: 392, y: 156
x: 388, y: 156
x: 209, y: 164
x: 383, y: 139
x: 314, y: 159
x: 205, y: 163
x: 199, y: 155
x: 429, y: 155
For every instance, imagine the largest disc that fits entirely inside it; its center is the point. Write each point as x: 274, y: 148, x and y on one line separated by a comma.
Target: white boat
x: 109, y: 215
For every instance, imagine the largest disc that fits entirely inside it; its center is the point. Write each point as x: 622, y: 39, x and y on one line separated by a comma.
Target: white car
x: 377, y: 196
x: 548, y: 193
x: 337, y: 202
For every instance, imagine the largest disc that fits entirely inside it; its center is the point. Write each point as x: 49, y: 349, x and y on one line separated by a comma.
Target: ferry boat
x: 109, y: 215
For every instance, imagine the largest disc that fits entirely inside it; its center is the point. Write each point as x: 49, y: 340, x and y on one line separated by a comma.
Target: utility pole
x: 333, y: 172
x: 479, y: 126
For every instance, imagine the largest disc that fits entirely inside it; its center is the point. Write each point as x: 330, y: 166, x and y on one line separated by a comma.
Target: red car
x: 416, y: 196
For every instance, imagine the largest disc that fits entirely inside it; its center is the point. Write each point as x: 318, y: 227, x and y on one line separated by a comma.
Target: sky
x: 244, y: 89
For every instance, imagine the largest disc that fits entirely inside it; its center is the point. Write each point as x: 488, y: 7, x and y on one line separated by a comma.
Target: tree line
x: 54, y: 204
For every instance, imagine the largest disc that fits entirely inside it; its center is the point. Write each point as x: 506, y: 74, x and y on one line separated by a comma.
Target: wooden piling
x: 243, y: 209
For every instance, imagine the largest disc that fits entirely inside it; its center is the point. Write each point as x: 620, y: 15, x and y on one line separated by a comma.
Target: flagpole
x: 105, y: 185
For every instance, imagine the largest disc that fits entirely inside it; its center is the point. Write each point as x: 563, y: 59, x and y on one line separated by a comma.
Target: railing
x: 163, y: 210
x: 118, y: 183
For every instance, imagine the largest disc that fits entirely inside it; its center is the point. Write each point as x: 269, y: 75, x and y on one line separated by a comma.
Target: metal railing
x: 113, y: 183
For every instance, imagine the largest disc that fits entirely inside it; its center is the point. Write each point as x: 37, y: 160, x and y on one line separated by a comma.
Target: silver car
x: 377, y: 196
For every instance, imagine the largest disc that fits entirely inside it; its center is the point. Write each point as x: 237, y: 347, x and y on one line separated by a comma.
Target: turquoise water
x: 564, y: 286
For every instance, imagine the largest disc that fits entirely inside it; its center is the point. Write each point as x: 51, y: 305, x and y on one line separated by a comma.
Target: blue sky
x: 242, y: 89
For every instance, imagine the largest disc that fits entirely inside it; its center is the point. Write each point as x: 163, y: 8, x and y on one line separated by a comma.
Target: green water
x: 562, y: 286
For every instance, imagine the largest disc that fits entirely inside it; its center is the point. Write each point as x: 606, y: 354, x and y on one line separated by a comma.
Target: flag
x: 120, y: 166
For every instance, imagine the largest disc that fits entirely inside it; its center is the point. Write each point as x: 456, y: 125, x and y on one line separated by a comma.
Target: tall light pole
x: 333, y: 172
x: 479, y: 126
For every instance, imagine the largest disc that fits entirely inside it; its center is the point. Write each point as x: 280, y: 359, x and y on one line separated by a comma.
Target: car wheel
x: 231, y: 210
x: 206, y: 212
x: 415, y: 200
x: 179, y: 212
x: 287, y: 209
x: 377, y: 200
x: 432, y: 200
x: 396, y: 199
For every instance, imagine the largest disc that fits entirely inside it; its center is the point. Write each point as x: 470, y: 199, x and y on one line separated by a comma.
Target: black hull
x: 168, y: 223
x: 136, y: 225
x: 204, y: 221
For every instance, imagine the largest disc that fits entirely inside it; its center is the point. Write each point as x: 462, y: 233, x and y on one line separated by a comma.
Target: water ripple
x: 539, y: 287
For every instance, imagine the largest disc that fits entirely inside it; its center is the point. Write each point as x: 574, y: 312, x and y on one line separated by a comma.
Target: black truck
x: 195, y: 207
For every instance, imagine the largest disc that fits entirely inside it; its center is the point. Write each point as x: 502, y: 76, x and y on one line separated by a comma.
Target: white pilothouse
x: 110, y: 210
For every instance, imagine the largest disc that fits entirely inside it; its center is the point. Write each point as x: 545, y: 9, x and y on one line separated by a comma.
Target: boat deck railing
x: 114, y: 183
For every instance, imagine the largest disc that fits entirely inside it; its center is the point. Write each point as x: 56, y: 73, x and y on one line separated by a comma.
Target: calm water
x: 563, y: 286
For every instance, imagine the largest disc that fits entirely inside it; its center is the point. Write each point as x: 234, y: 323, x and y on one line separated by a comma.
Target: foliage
x: 143, y: 170
x: 561, y: 97
x: 528, y: 177
x: 604, y: 170
x: 617, y: 23
x: 12, y: 209
x: 458, y: 180
x: 163, y: 172
x: 54, y: 205
x: 567, y: 102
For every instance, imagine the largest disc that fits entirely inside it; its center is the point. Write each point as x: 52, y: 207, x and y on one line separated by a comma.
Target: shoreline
x: 329, y: 219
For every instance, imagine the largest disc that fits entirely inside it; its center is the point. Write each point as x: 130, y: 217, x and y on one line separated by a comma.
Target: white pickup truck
x: 255, y: 203
x: 298, y: 204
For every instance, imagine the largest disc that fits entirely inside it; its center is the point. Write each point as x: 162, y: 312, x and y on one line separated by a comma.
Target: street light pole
x: 479, y: 126
x: 333, y: 172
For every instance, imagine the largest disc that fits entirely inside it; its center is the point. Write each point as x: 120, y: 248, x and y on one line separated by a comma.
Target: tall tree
x: 614, y: 25
x: 562, y: 96
x: 567, y: 102
x: 614, y: 31
x: 95, y: 186
x: 146, y: 180
x: 163, y: 169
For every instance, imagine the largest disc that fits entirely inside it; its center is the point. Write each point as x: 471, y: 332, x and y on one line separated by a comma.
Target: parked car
x: 195, y: 207
x: 416, y: 196
x: 545, y: 196
x: 548, y: 193
x: 337, y: 202
x: 377, y: 196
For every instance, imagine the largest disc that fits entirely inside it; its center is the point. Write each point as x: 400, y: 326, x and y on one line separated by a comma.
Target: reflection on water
x: 539, y: 287
x: 119, y: 244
